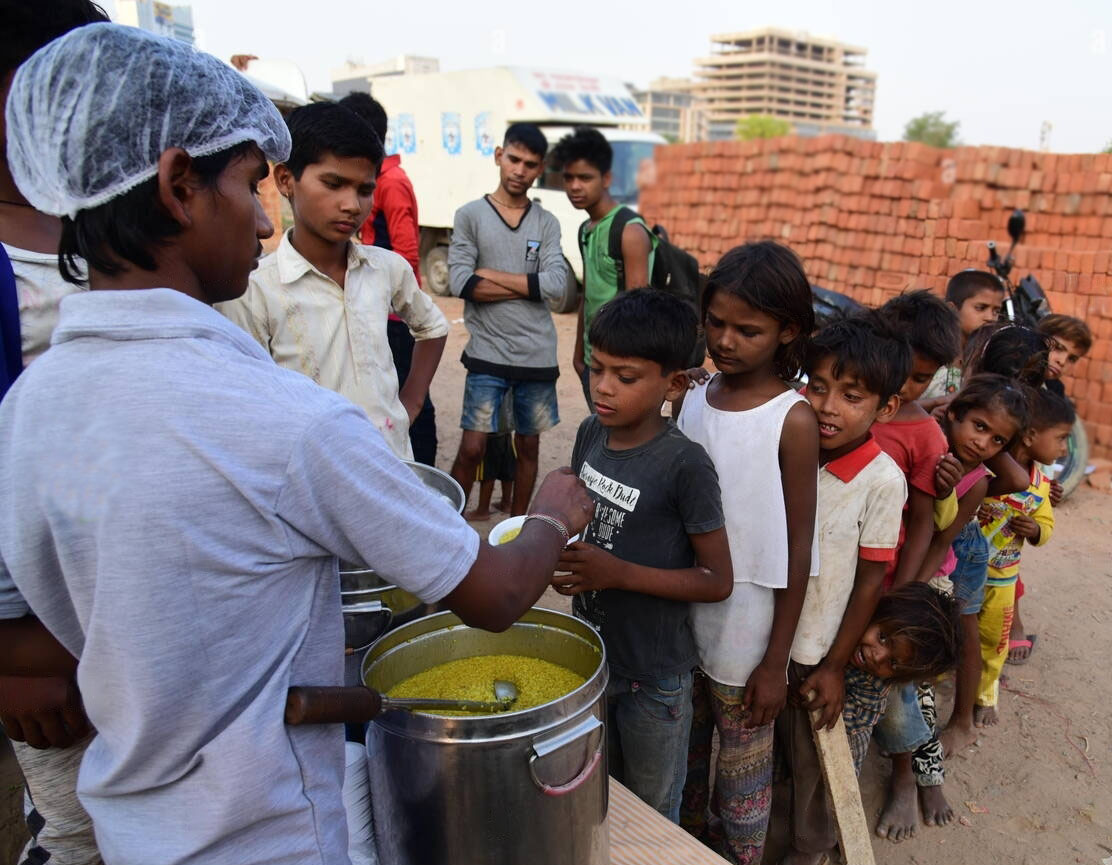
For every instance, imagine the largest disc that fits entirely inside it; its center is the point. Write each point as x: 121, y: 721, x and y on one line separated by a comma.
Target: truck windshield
x: 628, y: 157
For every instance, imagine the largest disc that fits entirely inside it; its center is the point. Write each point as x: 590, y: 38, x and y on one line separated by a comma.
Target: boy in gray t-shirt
x: 505, y: 262
x: 656, y: 542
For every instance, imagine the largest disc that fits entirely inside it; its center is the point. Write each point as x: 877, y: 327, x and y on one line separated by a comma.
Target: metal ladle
x: 354, y: 705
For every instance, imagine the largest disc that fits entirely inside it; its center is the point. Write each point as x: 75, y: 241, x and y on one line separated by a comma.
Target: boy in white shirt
x: 319, y: 304
x: 855, y: 371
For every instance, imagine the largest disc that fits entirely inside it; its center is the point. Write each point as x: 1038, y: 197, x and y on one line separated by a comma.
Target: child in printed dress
x: 763, y: 439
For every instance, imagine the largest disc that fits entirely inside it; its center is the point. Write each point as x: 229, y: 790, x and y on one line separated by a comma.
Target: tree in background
x: 1108, y: 147
x: 932, y: 128
x: 761, y: 126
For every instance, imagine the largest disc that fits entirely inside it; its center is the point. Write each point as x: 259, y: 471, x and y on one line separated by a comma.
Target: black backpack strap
x: 622, y: 218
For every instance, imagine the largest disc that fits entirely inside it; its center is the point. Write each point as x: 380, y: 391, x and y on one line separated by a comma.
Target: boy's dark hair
x: 1050, y: 409
x: 127, y: 229
x: 865, y: 346
x: 966, y: 283
x: 328, y: 127
x: 770, y: 278
x: 1067, y: 327
x: 988, y: 391
x: 1011, y: 350
x: 370, y: 109
x: 929, y: 621
x: 585, y: 143
x: 28, y: 26
x: 528, y: 136
x: 648, y: 324
x: 929, y: 324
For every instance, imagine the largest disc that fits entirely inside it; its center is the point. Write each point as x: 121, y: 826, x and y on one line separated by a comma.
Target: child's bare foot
x: 503, y: 507
x: 794, y: 857
x: 900, y: 816
x: 477, y: 515
x: 936, y: 810
x: 985, y: 716
x: 956, y: 737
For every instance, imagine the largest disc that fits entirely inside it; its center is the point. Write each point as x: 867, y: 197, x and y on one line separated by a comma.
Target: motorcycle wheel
x: 1076, y: 459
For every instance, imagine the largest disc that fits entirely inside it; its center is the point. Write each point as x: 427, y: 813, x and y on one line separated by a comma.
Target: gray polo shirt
x: 171, y: 507
x: 509, y: 338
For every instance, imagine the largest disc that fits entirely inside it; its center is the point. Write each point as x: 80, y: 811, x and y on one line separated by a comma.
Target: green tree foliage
x: 932, y: 128
x: 761, y: 126
x: 1108, y: 147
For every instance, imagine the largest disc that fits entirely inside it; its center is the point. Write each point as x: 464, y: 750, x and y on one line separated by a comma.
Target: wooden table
x: 639, y: 835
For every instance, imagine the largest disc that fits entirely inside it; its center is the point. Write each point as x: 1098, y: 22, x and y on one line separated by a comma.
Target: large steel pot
x: 519, y: 787
x: 371, y: 605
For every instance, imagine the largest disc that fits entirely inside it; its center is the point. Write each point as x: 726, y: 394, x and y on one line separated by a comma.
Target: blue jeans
x: 971, y: 572
x: 648, y: 730
x: 534, y: 404
x: 902, y: 728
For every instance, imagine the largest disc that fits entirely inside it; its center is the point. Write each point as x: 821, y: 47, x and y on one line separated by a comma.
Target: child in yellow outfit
x: 1007, y: 521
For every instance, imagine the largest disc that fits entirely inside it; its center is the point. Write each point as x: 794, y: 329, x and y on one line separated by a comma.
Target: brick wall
x: 873, y: 219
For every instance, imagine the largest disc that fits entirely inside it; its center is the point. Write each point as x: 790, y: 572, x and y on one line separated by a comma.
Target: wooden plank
x: 641, y: 836
x: 845, y: 793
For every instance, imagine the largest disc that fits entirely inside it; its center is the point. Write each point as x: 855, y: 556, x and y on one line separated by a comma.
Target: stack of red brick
x: 873, y: 219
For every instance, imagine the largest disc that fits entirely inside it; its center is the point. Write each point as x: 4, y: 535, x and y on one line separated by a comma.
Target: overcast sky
x: 1001, y: 73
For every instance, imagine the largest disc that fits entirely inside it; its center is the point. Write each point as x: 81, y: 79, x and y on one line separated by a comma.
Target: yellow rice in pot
x: 537, y: 681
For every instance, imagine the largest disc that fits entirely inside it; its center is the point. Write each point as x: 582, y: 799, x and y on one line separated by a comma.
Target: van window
x: 628, y: 156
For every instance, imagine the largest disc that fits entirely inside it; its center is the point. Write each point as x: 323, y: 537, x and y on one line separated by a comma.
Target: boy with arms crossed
x: 855, y: 370
x: 319, y: 303
x: 656, y: 541
x: 505, y: 262
x: 585, y: 157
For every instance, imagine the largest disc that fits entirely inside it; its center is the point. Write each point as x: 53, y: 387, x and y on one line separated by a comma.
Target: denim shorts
x: 534, y: 404
x: 971, y: 571
x: 902, y: 728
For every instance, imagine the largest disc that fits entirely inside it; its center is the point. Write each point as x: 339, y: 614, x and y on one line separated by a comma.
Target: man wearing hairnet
x: 172, y: 503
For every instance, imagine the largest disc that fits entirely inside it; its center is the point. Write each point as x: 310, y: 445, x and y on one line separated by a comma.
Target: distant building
x: 161, y: 18
x: 356, y: 77
x: 818, y: 84
x: 669, y: 105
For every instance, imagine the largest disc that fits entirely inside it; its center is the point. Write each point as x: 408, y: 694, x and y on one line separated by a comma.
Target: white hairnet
x: 89, y: 115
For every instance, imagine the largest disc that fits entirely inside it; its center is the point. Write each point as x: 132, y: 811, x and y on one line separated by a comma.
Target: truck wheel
x: 434, y: 269
x: 1075, y: 460
x: 569, y: 300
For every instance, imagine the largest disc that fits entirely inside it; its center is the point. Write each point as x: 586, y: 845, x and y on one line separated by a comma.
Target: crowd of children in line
x: 873, y: 545
x: 827, y: 524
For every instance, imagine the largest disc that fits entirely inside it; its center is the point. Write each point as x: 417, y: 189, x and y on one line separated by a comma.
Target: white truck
x: 446, y: 125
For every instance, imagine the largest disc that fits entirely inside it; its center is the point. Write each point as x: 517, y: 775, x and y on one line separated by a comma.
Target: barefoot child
x: 499, y: 464
x: 980, y: 422
x: 913, y: 636
x: 855, y: 370
x: 1008, y: 521
x: 656, y: 541
x: 763, y: 439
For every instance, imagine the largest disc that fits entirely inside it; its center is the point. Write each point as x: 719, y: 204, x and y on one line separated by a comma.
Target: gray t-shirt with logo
x: 172, y: 504
x: 509, y: 338
x: 649, y: 499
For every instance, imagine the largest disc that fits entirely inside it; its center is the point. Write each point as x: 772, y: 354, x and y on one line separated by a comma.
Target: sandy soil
x: 1033, y: 791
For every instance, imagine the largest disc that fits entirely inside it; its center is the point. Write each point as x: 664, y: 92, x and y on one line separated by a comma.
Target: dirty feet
x: 794, y: 857
x: 985, y: 716
x: 956, y: 737
x: 936, y: 810
x: 477, y: 515
x: 899, y: 817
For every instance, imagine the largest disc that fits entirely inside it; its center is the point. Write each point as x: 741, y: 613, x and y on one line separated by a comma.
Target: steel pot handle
x: 561, y: 740
x: 369, y: 607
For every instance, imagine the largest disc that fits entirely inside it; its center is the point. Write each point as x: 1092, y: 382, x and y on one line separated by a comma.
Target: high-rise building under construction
x: 815, y: 83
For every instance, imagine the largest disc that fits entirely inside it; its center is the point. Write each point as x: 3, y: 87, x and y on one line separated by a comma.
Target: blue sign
x: 451, y: 135
x: 390, y: 145
x: 587, y: 104
x: 406, y: 137
x: 484, y: 137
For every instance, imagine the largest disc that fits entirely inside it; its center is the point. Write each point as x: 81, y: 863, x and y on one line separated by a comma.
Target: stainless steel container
x: 372, y: 606
x: 519, y: 787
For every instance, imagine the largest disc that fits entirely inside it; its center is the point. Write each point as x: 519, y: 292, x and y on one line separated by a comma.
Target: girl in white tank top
x: 763, y: 439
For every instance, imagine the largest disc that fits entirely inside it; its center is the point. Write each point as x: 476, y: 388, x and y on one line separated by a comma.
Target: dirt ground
x: 1036, y: 790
